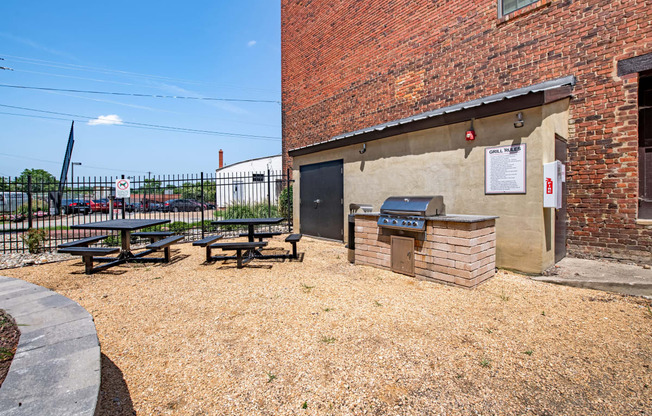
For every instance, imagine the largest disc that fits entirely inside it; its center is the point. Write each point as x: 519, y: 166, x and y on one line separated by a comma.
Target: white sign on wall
x: 504, y: 169
x: 122, y: 188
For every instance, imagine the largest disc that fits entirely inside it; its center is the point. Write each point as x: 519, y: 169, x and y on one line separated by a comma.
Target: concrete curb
x: 626, y: 288
x: 57, y: 366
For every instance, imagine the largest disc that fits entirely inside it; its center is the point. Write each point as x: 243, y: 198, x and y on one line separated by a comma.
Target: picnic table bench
x: 206, y: 242
x: 163, y: 244
x: 294, y: 239
x: 249, y: 248
x: 84, y: 242
x: 153, y: 235
x: 260, y: 236
x: 88, y: 253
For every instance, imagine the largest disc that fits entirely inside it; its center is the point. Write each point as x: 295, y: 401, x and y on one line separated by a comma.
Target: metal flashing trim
x: 559, y: 83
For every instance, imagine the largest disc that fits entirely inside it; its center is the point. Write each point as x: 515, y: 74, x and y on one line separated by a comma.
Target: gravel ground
x: 13, y: 260
x: 323, y: 337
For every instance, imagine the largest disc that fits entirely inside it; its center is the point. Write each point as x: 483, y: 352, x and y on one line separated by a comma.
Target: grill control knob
x: 404, y: 223
x: 394, y: 222
x: 385, y: 220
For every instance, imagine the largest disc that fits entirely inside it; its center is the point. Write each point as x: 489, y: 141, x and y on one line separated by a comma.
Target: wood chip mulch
x: 322, y: 336
x: 9, y: 335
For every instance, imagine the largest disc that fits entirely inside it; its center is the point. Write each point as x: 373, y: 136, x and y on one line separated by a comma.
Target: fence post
x: 201, y: 182
x: 269, y: 196
x: 123, y: 202
x: 29, y: 202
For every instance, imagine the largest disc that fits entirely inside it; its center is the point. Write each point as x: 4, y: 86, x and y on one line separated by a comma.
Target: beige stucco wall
x: 440, y: 161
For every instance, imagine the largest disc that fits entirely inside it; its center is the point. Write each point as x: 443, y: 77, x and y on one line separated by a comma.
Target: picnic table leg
x: 251, y: 233
x: 208, y: 253
x: 125, y: 236
x: 88, y: 263
x: 239, y: 255
x: 166, y: 254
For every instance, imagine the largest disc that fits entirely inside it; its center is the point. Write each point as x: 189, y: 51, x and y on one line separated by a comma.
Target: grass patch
x: 270, y: 377
x: 306, y: 288
x: 504, y: 297
x: 377, y: 304
x: 6, y: 354
x: 328, y: 340
x: 485, y: 363
x: 528, y: 352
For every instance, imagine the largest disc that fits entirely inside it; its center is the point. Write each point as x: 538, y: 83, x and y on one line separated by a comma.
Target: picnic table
x: 250, y: 223
x: 248, y: 250
x: 125, y: 227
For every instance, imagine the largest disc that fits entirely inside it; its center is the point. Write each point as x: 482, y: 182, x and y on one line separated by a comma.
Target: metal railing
x: 190, y: 202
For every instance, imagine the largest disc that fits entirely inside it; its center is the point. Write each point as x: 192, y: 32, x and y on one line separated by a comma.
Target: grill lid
x: 426, y: 206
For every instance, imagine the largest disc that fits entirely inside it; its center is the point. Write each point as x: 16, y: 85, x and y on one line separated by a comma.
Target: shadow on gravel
x: 114, y: 394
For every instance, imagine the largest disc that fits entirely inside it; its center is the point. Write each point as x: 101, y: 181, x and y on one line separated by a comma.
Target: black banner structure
x: 55, y: 200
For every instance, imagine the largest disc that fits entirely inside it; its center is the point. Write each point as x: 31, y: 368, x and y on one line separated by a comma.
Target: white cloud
x: 251, y: 43
x: 107, y: 120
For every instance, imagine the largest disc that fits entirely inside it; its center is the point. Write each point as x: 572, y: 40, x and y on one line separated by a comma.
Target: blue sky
x: 215, y: 49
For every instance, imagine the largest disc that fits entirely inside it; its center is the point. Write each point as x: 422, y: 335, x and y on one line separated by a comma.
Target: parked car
x: 75, y: 206
x: 155, y: 206
x: 99, y: 205
x: 176, y: 205
x: 137, y: 207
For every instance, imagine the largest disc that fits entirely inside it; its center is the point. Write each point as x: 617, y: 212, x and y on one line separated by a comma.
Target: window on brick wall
x: 645, y: 145
x: 509, y: 6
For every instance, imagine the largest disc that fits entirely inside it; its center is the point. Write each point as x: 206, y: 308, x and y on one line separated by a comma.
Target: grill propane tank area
x: 413, y: 235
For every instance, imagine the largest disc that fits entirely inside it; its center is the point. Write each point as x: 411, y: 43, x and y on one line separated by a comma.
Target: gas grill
x: 410, y: 212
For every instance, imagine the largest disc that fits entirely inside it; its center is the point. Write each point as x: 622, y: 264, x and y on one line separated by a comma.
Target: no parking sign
x: 122, y: 188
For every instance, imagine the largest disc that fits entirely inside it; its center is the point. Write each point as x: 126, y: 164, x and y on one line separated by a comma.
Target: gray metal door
x: 321, y: 205
x: 560, y: 214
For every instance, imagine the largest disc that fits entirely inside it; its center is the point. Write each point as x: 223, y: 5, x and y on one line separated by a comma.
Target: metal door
x: 560, y: 214
x: 321, y: 199
x: 238, y: 192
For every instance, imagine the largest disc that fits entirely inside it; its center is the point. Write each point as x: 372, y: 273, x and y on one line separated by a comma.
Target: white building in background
x: 248, y: 182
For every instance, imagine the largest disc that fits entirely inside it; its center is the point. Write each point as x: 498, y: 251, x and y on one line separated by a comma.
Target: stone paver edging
x: 57, y: 367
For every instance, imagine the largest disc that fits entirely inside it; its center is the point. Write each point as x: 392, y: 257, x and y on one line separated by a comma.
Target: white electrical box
x: 554, y: 173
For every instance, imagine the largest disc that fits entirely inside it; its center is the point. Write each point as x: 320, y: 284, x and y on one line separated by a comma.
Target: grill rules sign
x: 504, y: 169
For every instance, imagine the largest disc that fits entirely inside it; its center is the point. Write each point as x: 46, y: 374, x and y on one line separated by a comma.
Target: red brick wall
x: 353, y: 64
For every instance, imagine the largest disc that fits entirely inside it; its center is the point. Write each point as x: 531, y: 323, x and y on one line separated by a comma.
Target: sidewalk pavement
x: 601, y: 275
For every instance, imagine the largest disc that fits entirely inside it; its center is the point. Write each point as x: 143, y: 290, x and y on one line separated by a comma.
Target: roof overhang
x: 505, y: 102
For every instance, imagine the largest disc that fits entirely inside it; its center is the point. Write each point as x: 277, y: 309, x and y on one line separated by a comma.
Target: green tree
x: 42, y: 181
x: 3, y: 184
x: 151, y: 185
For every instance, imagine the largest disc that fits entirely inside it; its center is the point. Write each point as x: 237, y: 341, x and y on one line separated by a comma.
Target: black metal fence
x: 31, y: 214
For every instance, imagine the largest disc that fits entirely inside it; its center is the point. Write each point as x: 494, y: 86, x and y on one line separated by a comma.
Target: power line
x: 131, y: 94
x: 59, y: 162
x: 75, y: 67
x: 152, y: 126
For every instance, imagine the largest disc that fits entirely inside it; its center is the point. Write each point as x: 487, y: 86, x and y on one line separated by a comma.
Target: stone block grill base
x: 455, y: 249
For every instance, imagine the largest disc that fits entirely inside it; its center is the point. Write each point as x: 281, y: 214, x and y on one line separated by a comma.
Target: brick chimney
x: 221, y: 159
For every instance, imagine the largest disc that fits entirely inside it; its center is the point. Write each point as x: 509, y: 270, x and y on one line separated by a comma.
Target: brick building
x: 384, y: 91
